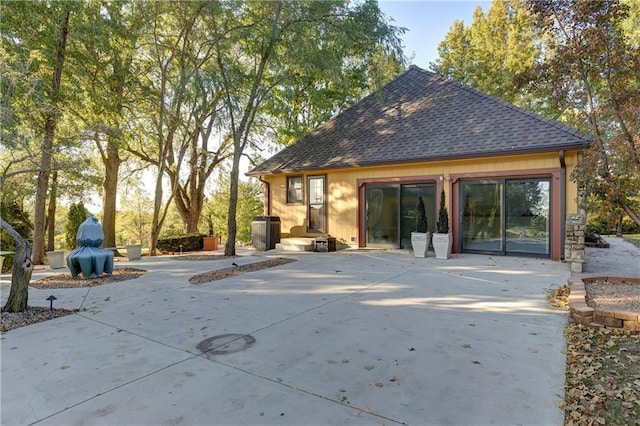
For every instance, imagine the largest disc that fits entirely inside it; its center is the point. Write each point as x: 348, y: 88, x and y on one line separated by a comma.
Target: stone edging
x: 582, y: 313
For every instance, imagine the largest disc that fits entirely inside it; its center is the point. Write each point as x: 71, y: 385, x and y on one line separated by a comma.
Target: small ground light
x: 51, y: 299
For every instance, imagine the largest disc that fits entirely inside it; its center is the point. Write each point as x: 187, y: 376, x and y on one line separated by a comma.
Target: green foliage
x: 492, y: 53
x: 181, y: 243
x: 134, y: 219
x: 15, y: 216
x: 443, y: 216
x: 76, y: 215
x: 250, y: 196
x: 631, y: 25
x: 592, y: 234
x: 161, y: 79
x: 421, y: 217
x: 593, y: 74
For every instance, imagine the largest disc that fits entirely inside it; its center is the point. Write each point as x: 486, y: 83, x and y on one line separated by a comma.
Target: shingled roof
x: 422, y: 117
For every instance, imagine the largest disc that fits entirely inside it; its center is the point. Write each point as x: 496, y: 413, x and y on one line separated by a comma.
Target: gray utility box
x: 265, y: 232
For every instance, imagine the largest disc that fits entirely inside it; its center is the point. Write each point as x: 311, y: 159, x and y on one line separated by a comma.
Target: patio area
x: 350, y: 337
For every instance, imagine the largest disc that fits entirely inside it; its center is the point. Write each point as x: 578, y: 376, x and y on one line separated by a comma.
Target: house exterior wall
x: 344, y: 189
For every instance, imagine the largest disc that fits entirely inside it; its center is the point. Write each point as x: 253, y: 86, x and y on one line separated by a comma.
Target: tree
x: 37, y: 40
x: 60, y: 17
x: 21, y: 272
x: 250, y: 205
x: 135, y: 217
x: 22, y: 266
x: 259, y: 46
x: 594, y: 73
x: 104, y: 66
x: 182, y: 104
x: 493, y: 52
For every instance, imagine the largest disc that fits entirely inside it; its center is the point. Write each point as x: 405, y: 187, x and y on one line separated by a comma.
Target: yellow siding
x: 343, y: 192
x: 571, y: 160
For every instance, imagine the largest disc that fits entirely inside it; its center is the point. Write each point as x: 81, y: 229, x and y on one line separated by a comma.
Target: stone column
x: 574, y: 241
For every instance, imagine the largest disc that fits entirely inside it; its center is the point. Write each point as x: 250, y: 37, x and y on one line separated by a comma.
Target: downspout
x: 268, y: 190
x: 563, y: 203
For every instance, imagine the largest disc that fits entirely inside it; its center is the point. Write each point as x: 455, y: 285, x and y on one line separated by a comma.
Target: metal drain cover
x: 225, y: 344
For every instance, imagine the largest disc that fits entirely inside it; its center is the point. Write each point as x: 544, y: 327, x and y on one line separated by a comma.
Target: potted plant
x: 420, y: 238
x: 210, y: 242
x: 442, y: 240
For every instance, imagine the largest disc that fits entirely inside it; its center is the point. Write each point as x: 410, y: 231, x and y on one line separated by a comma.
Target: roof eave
x: 572, y: 147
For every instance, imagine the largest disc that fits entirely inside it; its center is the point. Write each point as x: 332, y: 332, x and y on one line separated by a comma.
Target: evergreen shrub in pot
x: 442, y: 240
x: 420, y: 238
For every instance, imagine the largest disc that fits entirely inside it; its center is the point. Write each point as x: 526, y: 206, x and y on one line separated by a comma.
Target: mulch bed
x: 219, y: 274
x: 32, y: 315
x: 203, y: 257
x: 67, y: 281
x: 613, y: 293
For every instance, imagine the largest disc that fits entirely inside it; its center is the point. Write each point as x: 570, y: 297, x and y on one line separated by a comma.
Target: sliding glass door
x: 506, y: 216
x: 382, y: 215
x: 527, y: 216
x: 390, y: 212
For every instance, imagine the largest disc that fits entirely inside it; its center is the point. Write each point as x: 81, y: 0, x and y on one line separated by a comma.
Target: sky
x: 427, y: 22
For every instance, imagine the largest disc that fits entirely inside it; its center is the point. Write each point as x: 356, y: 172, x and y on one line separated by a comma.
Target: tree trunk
x: 619, y: 227
x: 51, y: 120
x: 232, y: 227
x: 112, y: 163
x: 51, y: 213
x: 21, y: 272
x: 155, y: 223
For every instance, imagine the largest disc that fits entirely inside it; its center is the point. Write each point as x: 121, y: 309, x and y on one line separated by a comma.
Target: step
x: 294, y: 246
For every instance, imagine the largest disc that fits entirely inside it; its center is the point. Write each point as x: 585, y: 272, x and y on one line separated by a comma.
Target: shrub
x: 592, y: 234
x: 76, y: 215
x: 629, y: 226
x: 188, y: 242
x: 421, y: 217
x: 443, y: 216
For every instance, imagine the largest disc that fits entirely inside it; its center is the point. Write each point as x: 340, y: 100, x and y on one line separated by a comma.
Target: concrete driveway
x: 353, y: 337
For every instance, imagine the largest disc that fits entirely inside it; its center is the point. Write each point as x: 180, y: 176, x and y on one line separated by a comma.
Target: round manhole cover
x: 225, y: 344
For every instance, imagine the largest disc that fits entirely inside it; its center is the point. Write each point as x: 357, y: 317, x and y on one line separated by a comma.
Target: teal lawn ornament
x: 89, y: 258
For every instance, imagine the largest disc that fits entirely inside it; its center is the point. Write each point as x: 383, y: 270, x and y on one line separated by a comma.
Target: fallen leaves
x: 237, y: 270
x: 559, y: 297
x: 67, y: 281
x: 602, y: 377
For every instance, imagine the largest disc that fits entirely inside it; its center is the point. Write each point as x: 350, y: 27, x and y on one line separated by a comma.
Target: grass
x: 602, y: 385
x: 633, y: 239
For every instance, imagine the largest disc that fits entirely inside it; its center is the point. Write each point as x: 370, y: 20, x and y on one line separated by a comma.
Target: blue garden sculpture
x: 89, y: 258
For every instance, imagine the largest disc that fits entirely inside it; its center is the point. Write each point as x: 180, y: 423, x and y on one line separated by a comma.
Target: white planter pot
x: 420, y: 243
x: 56, y: 259
x: 442, y: 245
x: 134, y: 252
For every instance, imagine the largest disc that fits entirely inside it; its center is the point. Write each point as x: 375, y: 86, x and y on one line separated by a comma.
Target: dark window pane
x: 294, y: 189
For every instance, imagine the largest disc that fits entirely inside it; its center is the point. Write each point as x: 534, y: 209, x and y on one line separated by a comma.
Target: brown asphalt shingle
x: 422, y: 117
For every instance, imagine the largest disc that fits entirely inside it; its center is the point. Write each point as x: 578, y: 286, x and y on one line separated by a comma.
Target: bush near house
x: 188, y: 242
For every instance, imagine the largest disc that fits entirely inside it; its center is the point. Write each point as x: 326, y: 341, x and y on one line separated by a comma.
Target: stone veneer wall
x: 575, y: 228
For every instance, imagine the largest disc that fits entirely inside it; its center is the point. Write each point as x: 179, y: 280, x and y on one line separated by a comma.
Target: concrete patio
x: 351, y: 337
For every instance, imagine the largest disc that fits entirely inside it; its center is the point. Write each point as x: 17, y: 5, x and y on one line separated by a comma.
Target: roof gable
x: 422, y: 117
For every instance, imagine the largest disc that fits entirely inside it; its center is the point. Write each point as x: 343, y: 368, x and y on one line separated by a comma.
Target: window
x: 294, y: 189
